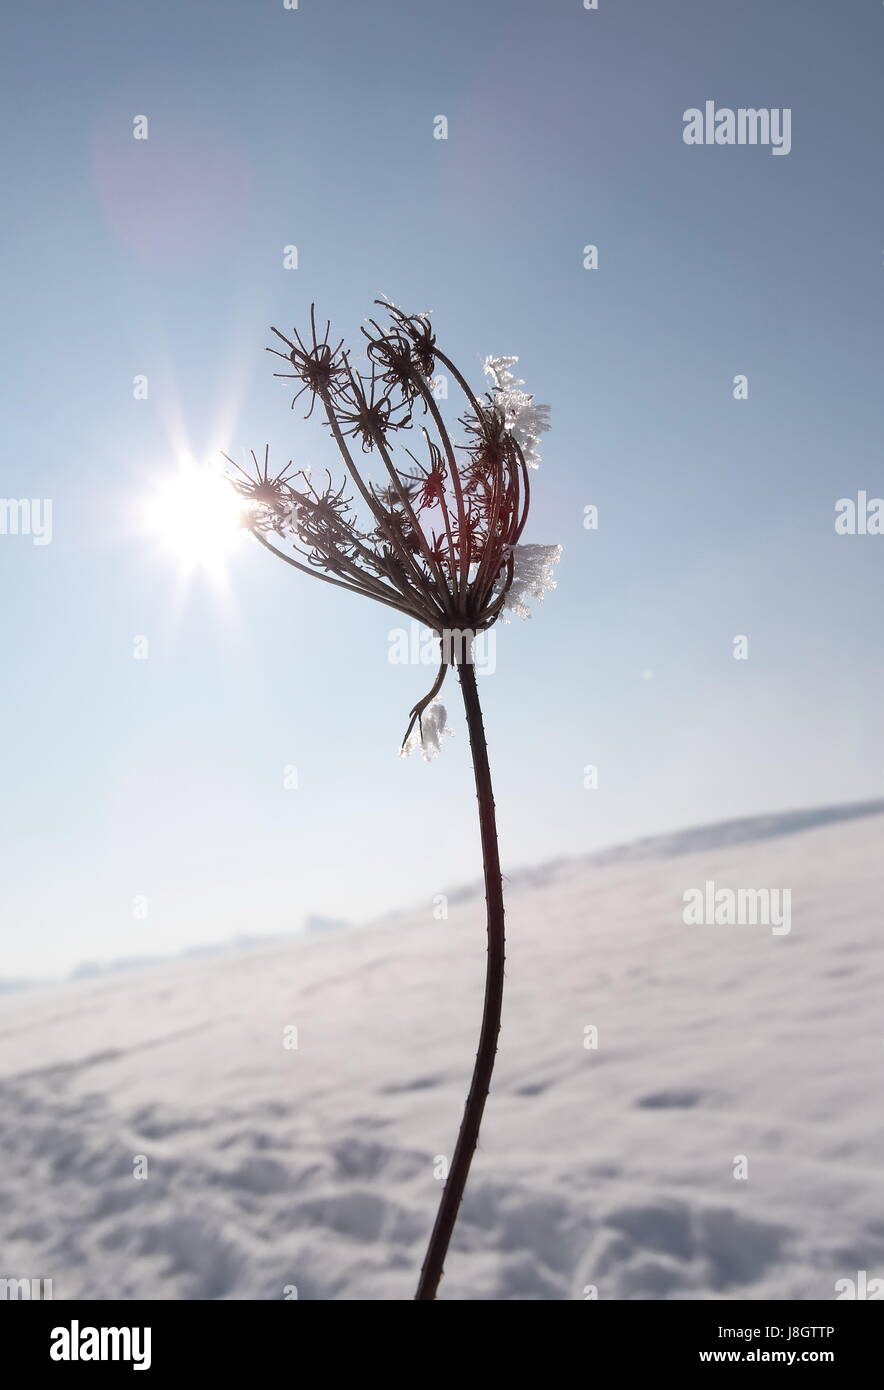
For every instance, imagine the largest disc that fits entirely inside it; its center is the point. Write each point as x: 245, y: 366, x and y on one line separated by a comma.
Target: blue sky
x: 163, y: 778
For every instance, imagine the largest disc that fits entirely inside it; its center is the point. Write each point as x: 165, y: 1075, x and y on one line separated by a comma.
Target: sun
x: 197, y: 515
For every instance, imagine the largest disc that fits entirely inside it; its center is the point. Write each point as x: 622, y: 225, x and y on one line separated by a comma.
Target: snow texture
x: 614, y: 1167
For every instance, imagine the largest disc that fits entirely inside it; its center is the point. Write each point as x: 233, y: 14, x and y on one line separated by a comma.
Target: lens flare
x: 197, y: 515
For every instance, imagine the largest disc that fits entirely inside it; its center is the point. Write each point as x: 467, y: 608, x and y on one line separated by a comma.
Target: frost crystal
x: 525, y: 420
x: 532, y: 576
x: 427, y: 733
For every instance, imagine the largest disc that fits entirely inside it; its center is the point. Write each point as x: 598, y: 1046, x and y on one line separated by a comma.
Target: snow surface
x: 314, y: 1167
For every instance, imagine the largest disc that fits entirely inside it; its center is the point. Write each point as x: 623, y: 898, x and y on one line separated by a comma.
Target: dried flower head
x: 436, y: 536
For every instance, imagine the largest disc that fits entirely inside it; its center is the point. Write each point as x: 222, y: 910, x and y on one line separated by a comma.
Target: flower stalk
x: 436, y: 538
x: 468, y: 1137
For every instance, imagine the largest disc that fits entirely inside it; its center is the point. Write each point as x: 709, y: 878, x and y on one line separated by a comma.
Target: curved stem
x: 393, y: 602
x: 468, y: 1137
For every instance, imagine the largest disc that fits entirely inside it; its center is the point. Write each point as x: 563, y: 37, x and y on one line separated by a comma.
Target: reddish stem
x: 432, y: 1270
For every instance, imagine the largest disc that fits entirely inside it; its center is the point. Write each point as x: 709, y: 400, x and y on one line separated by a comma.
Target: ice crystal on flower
x: 523, y: 417
x: 533, y: 575
x: 427, y: 732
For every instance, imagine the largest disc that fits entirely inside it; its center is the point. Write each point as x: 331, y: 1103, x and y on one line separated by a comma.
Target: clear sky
x: 164, y: 778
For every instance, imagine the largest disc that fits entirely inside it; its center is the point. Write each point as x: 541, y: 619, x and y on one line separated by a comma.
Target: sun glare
x: 197, y: 515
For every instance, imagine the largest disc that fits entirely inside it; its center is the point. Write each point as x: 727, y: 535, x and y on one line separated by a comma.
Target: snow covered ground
x: 270, y: 1166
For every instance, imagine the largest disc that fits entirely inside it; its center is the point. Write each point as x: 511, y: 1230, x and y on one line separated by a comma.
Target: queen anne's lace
x: 418, y: 521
